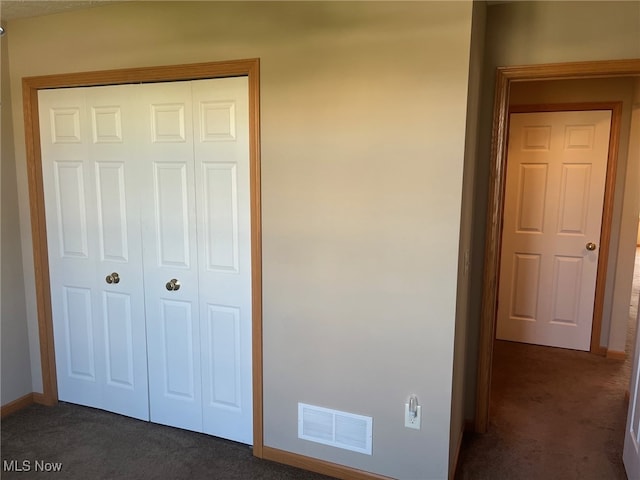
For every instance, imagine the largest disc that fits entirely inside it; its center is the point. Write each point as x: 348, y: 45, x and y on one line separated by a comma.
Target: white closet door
x: 151, y: 183
x: 93, y: 232
x: 221, y: 131
x: 170, y: 253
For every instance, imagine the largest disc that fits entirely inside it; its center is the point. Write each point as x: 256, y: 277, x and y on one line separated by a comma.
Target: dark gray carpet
x: 92, y: 444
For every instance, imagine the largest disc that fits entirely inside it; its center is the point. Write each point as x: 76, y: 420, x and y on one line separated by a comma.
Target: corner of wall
x: 463, y: 394
x: 16, y: 365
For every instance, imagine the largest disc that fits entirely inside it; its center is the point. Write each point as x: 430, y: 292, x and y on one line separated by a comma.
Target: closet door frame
x: 30, y: 86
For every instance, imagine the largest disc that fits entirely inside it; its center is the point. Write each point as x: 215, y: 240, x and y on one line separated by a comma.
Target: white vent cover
x: 332, y: 427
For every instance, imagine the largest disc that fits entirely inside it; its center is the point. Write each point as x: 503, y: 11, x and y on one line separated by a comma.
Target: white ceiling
x: 12, y: 9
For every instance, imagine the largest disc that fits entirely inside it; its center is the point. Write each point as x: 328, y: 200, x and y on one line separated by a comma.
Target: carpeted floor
x: 92, y: 444
x: 555, y: 413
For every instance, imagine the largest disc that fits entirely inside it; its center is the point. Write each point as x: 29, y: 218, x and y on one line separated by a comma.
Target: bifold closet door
x: 150, y: 183
x: 92, y: 216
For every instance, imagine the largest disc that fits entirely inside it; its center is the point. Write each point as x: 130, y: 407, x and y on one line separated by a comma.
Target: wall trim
x: 616, y: 355
x: 456, y: 457
x: 16, y: 405
x: 495, y: 205
x: 30, y: 87
x: 22, y: 403
x: 319, y: 466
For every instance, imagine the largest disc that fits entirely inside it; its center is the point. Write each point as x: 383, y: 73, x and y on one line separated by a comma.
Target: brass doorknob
x: 113, y: 278
x: 173, y: 285
x: 591, y: 246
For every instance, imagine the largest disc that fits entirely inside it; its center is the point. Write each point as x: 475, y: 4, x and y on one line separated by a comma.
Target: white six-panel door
x: 556, y: 172
x: 190, y: 222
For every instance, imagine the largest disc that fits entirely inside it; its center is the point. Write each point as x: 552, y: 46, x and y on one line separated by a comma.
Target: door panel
x: 112, y: 211
x: 526, y: 274
x: 174, y: 353
x: 556, y: 170
x: 223, y: 339
x: 113, y: 155
x: 177, y: 343
x: 221, y: 123
x: 71, y: 208
x: 106, y: 124
x: 93, y: 231
x: 220, y: 185
x: 118, y: 338
x: 172, y: 214
x: 176, y: 398
x: 66, y: 175
x: 567, y: 280
x: 531, y: 197
x: 169, y: 237
x: 574, y: 201
x: 78, y: 323
x: 65, y: 122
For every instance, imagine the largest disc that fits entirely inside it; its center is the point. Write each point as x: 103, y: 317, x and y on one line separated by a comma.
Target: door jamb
x: 30, y: 86
x: 495, y: 205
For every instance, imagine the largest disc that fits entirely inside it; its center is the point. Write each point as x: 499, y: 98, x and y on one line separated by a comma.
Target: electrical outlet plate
x: 412, y: 422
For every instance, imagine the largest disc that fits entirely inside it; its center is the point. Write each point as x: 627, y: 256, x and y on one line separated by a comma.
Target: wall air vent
x: 338, y: 429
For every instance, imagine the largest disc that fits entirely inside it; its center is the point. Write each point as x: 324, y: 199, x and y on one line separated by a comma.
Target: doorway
x: 506, y: 78
x: 31, y: 87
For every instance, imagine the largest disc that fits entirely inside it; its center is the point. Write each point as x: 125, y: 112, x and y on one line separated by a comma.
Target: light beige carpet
x: 555, y: 413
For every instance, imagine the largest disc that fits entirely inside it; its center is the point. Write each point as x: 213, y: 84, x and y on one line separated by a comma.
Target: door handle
x: 591, y: 246
x: 113, y: 278
x: 173, y: 285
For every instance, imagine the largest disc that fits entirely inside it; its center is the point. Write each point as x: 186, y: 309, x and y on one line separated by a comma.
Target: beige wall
x: 363, y: 131
x: 533, y: 32
x: 625, y: 209
x: 14, y: 348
